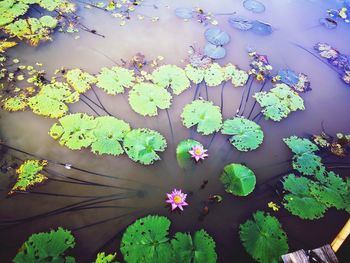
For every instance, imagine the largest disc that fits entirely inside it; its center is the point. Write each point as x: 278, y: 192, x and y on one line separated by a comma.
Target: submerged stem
x: 240, y: 104
x: 81, y: 99
x: 171, y: 126
x: 255, y: 102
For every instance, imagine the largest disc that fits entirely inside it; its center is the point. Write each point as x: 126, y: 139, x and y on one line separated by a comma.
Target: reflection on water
x: 292, y: 21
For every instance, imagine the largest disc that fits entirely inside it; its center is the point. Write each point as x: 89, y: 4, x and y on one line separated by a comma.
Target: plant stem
x: 248, y: 94
x: 171, y: 126
x: 251, y: 111
x: 222, y: 97
x: 196, y: 91
x: 98, y: 99
x: 240, y: 104
x: 206, y: 90
x: 81, y: 99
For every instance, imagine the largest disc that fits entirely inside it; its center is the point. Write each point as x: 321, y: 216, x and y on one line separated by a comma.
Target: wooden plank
x: 325, y: 254
x: 340, y: 238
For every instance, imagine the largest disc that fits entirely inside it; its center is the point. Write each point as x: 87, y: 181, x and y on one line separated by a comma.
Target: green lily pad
x: 279, y: 102
x: 147, y: 98
x: 196, y: 75
x: 115, y: 80
x: 109, y: 132
x: 79, y: 80
x: 263, y: 238
x: 204, y: 114
x: 103, y: 258
x: 142, y: 145
x: 171, y: 76
x: 10, y: 10
x: 146, y: 240
x: 74, y: 131
x: 18, y: 103
x: 200, y: 249
x: 237, y: 76
x: 182, y: 152
x: 47, y: 247
x: 214, y: 75
x: 247, y: 135
x: 238, y: 179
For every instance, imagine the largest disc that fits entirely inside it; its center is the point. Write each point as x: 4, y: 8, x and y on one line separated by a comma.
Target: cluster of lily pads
x: 335, y: 15
x: 310, y: 195
x: 32, y: 29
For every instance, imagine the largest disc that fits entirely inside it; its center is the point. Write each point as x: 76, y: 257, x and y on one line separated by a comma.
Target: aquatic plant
x: 213, y: 75
x: 198, y: 14
x: 204, y: 114
x: 4, y: 45
x: 245, y: 24
x: 263, y: 238
x: 337, y: 145
x: 109, y: 134
x: 279, y: 102
x: 198, y: 152
x: 238, y: 179
x: 52, y: 100
x: 177, y: 199
x: 115, y: 79
x: 299, y: 82
x: 246, y: 134
x: 254, y: 6
x: 29, y: 176
x: 183, y: 156
x: 171, y: 76
x: 260, y: 66
x: 47, y: 247
x: 103, y: 258
x: 146, y: 241
x: 217, y: 39
x: 199, y: 249
x: 305, y: 160
x: 145, y: 99
x: 80, y: 81
x: 237, y: 76
x: 142, y: 145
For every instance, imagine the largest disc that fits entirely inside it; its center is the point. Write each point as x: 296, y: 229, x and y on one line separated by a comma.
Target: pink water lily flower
x: 198, y: 152
x: 177, y: 199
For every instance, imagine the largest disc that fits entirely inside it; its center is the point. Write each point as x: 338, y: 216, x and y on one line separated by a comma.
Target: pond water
x: 139, y: 190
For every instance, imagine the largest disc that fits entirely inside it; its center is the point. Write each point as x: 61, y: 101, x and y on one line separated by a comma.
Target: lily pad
x: 240, y: 23
x: 184, y: 13
x: 196, y: 75
x: 18, y: 103
x: 254, y: 6
x: 238, y: 179
x: 263, y: 238
x: 28, y: 176
x: 80, y: 81
x: 142, y: 145
x: 147, y: 98
x: 214, y: 52
x: 214, y: 75
x: 261, y: 28
x: 10, y: 10
x: 171, y: 76
x: 109, y: 132
x: 182, y: 152
x: 217, y: 37
x: 74, y: 131
x: 204, y: 114
x: 146, y: 240
x: 200, y: 249
x: 114, y: 80
x: 247, y: 135
x: 237, y: 76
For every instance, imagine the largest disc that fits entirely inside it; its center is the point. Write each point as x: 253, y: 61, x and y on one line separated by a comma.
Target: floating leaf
x: 79, y: 80
x: 254, y: 6
x: 214, y: 75
x: 10, y: 10
x: 204, y: 114
x: 196, y: 75
x: 261, y: 28
x: 32, y: 29
x: 300, y: 201
x: 52, y: 99
x: 247, y: 135
x: 279, y: 102
x: 142, y: 145
x: 217, y: 37
x: 240, y: 23
x: 214, y: 52
x: 146, y: 241
x: 237, y: 76
x: 331, y: 190
x: 109, y: 132
x: 146, y: 98
x: 184, y: 13
x: 6, y: 45
x: 200, y: 249
x: 305, y: 160
x: 18, y: 103
x: 47, y: 247
x: 264, y: 238
x: 114, y: 80
x: 74, y: 131
x: 183, y: 156
x: 103, y: 258
x: 28, y: 176
x: 171, y: 76
x: 238, y: 179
